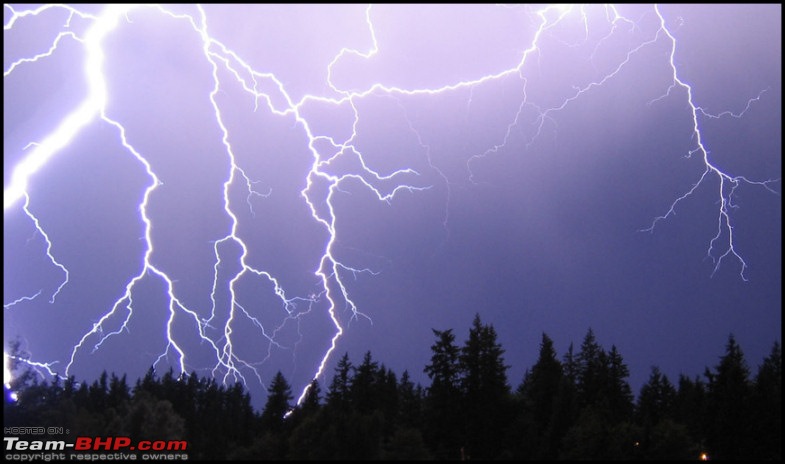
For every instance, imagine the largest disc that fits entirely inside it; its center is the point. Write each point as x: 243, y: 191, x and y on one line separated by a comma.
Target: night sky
x: 237, y: 190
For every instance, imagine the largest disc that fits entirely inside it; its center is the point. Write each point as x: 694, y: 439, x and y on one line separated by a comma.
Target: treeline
x: 575, y: 406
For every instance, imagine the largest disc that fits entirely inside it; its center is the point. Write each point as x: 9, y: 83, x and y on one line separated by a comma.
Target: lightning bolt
x: 727, y: 183
x: 327, y: 176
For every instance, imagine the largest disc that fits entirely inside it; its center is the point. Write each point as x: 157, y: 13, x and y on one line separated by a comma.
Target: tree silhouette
x: 486, y: 393
x: 729, y: 400
x: 338, y: 395
x: 538, y: 398
x: 278, y: 404
x: 767, y: 407
x: 579, y: 407
x: 444, y: 429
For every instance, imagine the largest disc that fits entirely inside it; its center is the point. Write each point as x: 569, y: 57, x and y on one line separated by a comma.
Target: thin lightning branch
x: 49, y: 255
x: 731, y: 113
x: 229, y: 70
x: 36, y: 367
x: 21, y: 299
x: 35, y: 58
x: 727, y: 183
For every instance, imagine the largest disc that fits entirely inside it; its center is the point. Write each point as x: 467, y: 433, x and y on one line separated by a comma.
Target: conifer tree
x: 279, y: 400
x: 444, y: 429
x: 486, y: 393
x: 729, y: 401
x: 767, y: 407
x: 338, y: 395
x: 538, y: 395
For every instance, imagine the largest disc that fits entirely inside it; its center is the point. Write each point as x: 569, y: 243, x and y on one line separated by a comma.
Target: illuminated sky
x: 236, y: 190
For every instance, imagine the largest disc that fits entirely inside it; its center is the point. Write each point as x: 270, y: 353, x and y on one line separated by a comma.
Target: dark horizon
x: 579, y: 407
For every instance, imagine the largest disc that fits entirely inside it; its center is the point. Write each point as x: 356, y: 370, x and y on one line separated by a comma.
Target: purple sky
x: 258, y: 176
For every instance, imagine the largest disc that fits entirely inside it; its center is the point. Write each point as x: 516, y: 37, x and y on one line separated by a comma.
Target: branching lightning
x: 331, y: 291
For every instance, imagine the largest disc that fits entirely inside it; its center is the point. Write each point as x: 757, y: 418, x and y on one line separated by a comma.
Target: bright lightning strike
x: 727, y: 183
x: 338, y: 164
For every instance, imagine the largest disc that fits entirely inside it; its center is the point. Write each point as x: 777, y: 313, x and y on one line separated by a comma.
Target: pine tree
x: 311, y: 402
x: 767, y: 407
x: 409, y: 403
x: 278, y: 404
x: 570, y: 365
x: 386, y: 391
x: 656, y: 399
x: 617, y: 390
x: 541, y: 385
x: 444, y: 431
x: 444, y: 369
x: 486, y: 393
x: 690, y: 407
x: 338, y: 395
x: 566, y: 407
x: 591, y: 362
x: 119, y: 394
x: 655, y: 404
x: 307, y: 427
x: 602, y: 429
x: 729, y: 400
x: 363, y: 390
x: 537, y: 394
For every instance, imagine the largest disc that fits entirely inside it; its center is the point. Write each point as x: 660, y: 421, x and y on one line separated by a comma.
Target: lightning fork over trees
x: 338, y: 164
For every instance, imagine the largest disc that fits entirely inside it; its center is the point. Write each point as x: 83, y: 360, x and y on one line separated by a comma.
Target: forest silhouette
x: 575, y: 406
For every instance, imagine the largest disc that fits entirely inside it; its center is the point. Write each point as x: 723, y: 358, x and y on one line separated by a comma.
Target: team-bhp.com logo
x: 94, y: 444
x: 88, y: 448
